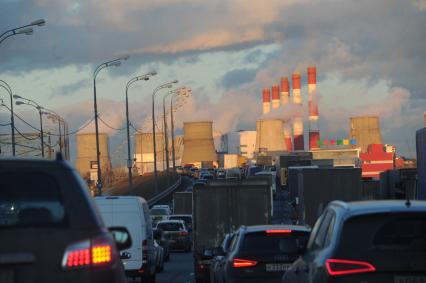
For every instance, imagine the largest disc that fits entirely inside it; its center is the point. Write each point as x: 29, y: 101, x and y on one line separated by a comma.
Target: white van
x: 133, y: 213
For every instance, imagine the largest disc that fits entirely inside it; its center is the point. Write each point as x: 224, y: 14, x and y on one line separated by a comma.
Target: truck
x: 182, y: 203
x: 421, y: 163
x: 221, y: 207
x: 311, y: 189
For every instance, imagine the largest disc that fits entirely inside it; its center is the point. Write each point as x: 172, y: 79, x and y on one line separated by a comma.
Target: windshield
x: 170, y: 226
x: 159, y: 211
x: 262, y: 242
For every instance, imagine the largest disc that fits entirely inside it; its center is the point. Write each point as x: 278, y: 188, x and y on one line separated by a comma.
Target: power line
x: 22, y: 135
x: 103, y: 122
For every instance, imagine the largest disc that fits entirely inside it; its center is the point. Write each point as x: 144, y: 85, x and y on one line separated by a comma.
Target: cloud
x: 237, y: 77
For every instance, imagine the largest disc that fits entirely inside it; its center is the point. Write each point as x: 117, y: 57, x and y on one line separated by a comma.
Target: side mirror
x: 218, y: 251
x: 158, y: 235
x: 121, y: 237
x: 208, y: 254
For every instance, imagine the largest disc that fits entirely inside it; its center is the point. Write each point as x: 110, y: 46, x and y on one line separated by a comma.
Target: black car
x: 370, y: 241
x: 50, y: 230
x: 187, y: 218
x: 176, y: 233
x: 263, y: 253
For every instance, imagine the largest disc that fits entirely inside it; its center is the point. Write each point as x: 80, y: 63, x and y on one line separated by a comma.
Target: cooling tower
x: 144, y: 152
x: 269, y: 135
x: 314, y: 134
x: 266, y: 100
x: 198, y: 143
x: 284, y: 91
x: 365, y: 130
x: 86, y: 162
x: 275, y: 96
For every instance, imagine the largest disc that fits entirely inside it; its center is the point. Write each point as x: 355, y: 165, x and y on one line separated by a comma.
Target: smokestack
x: 275, y: 96
x: 284, y: 91
x: 314, y: 134
x: 299, y: 142
x: 266, y: 100
x: 287, y: 137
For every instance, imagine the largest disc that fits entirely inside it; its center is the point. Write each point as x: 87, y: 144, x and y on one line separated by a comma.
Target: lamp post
x: 27, y: 30
x: 129, y: 83
x: 166, y: 85
x: 4, y: 85
x: 112, y: 63
x: 186, y: 94
x: 40, y: 112
x: 52, y: 115
x: 176, y: 92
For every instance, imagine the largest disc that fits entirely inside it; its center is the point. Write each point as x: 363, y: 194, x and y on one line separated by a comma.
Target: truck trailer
x: 221, y: 207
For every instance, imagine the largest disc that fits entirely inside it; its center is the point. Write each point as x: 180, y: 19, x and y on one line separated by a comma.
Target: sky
x: 370, y: 58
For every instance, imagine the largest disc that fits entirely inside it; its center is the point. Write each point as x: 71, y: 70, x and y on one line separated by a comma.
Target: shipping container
x: 311, y: 189
x: 421, y: 163
x: 221, y: 207
x: 182, y: 203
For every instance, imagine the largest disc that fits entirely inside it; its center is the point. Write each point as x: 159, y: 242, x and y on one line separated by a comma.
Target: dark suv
x: 50, y: 230
x: 375, y: 241
x: 263, y: 253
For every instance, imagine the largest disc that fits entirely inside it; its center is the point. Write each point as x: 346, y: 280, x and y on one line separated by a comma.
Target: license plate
x: 410, y: 279
x: 6, y: 276
x: 273, y: 267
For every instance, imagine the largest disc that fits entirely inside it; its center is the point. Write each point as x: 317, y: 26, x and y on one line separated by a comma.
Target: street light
x: 178, y: 91
x: 52, y: 115
x: 166, y: 85
x: 4, y: 85
x: 187, y: 92
x: 112, y: 63
x: 129, y: 83
x: 27, y: 30
x: 39, y: 109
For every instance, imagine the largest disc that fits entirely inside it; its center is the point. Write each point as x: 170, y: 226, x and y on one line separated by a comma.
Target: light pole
x: 52, y: 115
x: 166, y: 85
x: 178, y: 91
x: 27, y: 30
x: 186, y: 94
x: 129, y: 83
x: 39, y: 108
x: 4, y: 85
x: 112, y: 63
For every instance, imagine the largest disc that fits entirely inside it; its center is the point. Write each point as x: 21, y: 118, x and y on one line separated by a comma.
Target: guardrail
x: 165, y: 193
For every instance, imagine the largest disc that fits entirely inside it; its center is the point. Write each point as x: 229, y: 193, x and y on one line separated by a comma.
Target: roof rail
x: 59, y: 156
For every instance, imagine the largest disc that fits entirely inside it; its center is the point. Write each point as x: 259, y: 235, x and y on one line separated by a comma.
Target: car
x: 51, y: 230
x: 159, y: 257
x: 163, y: 242
x: 206, y: 176
x: 201, y: 182
x: 187, y: 218
x: 217, y: 259
x: 180, y: 170
x: 263, y: 253
x: 132, y: 212
x: 159, y: 214
x: 176, y: 233
x: 165, y: 206
x: 366, y: 241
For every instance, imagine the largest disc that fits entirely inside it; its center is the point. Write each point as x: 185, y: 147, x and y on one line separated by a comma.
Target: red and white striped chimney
x: 314, y: 134
x: 266, y: 100
x: 299, y: 143
x: 275, y: 96
x: 284, y: 91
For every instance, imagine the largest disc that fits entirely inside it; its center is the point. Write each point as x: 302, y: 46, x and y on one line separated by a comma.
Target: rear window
x: 30, y: 199
x: 261, y: 241
x: 383, y: 232
x: 187, y: 219
x: 159, y: 211
x: 170, y: 226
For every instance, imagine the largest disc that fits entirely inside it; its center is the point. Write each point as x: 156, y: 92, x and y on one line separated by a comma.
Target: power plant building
x: 198, y: 143
x: 365, y: 130
x: 241, y: 142
x: 144, y: 152
x: 86, y: 161
x: 270, y: 135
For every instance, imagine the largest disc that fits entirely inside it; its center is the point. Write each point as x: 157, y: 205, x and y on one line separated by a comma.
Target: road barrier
x: 165, y: 193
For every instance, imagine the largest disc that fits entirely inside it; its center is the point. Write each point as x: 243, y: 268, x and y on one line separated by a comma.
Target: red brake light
x: 279, y: 231
x: 337, y: 267
x: 183, y: 233
x: 238, y: 262
x: 86, y: 254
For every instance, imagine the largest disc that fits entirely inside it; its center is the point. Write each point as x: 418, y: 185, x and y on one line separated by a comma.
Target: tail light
x: 87, y: 253
x: 183, y: 233
x: 278, y: 231
x: 336, y: 267
x: 145, y: 251
x: 239, y: 262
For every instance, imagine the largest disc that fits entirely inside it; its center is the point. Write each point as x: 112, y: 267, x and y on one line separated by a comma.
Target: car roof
x: 121, y: 198
x: 180, y: 215
x: 23, y: 163
x: 260, y: 228
x: 379, y: 206
x: 171, y: 221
